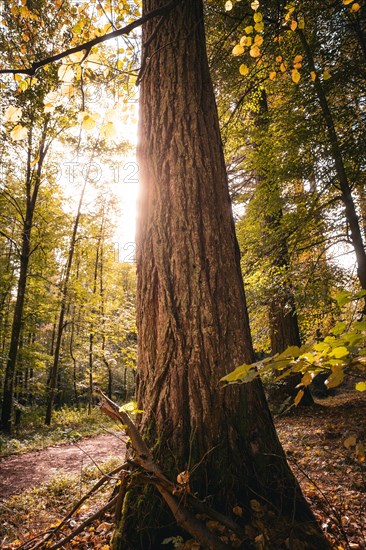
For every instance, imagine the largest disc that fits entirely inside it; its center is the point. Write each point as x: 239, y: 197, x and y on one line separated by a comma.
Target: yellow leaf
x: 49, y: 108
x: 77, y: 56
x: 93, y: 61
x: 360, y: 452
x: 258, y: 17
x: 297, y: 65
x: 18, y: 133
x: 12, y: 114
x: 238, y: 50
x: 34, y: 162
x: 228, y: 5
x: 243, y: 69
x: 254, y: 51
x: 68, y: 90
x: 249, y: 29
x: 293, y: 25
x: 350, y: 441
x: 23, y: 85
x: 279, y: 58
x: 340, y: 352
x: 307, y: 379
x: 108, y: 130
x: 355, y: 7
x: 313, y: 75
x: 88, y: 120
x: 302, y: 24
x: 326, y: 75
x: 246, y: 41
x: 298, y: 397
x: 259, y: 26
x: 360, y: 386
x: 336, y: 378
x: 258, y: 40
x: 254, y: 5
x: 66, y: 73
x: 295, y: 75
x: 272, y: 75
x: 283, y: 67
x: 297, y: 58
x: 105, y: 547
x: 346, y: 2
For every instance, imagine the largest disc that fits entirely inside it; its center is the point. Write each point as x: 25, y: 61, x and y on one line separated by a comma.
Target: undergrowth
x: 31, y: 512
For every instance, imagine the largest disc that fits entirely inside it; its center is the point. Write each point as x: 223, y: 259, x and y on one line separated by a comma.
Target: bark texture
x: 192, y: 319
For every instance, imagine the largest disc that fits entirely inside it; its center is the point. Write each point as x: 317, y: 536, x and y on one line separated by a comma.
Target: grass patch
x: 25, y: 515
x: 68, y: 425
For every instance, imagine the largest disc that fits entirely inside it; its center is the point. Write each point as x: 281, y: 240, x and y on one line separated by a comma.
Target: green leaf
x: 339, y: 328
x: 361, y: 325
x: 353, y: 338
x: 343, y: 297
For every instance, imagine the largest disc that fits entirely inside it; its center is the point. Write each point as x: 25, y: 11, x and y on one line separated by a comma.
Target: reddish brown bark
x: 192, y: 318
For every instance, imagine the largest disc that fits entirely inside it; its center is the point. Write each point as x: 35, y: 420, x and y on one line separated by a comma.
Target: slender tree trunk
x: 61, y: 320
x: 191, y: 312
x: 102, y: 315
x: 92, y: 328
x: 349, y: 205
x: 73, y: 358
x: 32, y: 185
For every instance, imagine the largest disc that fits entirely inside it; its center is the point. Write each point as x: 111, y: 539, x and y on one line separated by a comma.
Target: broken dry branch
x: 84, y: 524
x: 143, y: 459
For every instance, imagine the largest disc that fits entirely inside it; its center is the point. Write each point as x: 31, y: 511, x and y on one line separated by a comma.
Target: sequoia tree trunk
x: 191, y: 312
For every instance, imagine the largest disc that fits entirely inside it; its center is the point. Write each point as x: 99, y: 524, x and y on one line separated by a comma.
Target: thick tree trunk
x: 192, y: 318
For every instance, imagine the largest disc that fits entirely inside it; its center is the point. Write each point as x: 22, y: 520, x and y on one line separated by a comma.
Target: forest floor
x: 323, y: 445
x: 22, y: 472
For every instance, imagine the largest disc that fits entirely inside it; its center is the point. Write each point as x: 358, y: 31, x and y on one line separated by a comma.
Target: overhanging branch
x: 87, y: 46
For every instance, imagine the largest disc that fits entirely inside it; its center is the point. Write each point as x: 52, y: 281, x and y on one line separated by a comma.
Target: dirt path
x: 24, y: 471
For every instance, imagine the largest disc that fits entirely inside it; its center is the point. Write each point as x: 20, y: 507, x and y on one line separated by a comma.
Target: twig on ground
x: 84, y: 524
x: 50, y: 534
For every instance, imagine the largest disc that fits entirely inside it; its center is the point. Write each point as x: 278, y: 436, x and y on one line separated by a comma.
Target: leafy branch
x: 87, y: 46
x: 344, y: 348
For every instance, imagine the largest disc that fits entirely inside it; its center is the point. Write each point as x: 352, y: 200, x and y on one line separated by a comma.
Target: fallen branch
x: 168, y: 490
x: 84, y: 524
x: 95, y: 487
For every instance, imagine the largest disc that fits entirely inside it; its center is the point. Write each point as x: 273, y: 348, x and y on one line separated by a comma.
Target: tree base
x: 147, y: 524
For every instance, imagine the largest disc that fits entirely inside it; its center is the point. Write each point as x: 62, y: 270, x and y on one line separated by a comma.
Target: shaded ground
x: 324, y: 445
x: 25, y: 471
x: 325, y: 448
